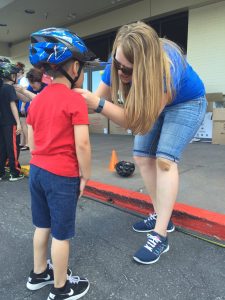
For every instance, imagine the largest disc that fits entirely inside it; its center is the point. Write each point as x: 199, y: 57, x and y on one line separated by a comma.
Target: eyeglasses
x: 126, y: 71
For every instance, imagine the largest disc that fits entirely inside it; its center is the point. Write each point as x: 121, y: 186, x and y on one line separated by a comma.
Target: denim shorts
x: 53, y: 202
x: 173, y: 130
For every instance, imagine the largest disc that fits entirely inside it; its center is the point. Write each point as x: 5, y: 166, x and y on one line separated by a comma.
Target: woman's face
x: 36, y: 86
x: 123, y: 66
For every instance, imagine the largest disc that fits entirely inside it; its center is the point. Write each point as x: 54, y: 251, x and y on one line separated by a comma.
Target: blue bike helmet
x: 52, y: 47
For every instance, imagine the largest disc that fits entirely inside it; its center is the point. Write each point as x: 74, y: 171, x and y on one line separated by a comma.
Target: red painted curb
x: 189, y: 217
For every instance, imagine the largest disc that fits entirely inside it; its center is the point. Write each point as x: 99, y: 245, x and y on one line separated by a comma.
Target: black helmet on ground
x: 125, y: 168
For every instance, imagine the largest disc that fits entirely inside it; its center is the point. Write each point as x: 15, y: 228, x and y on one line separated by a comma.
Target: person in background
x: 35, y: 86
x: 164, y: 105
x: 10, y: 127
x: 58, y: 138
x: 22, y: 80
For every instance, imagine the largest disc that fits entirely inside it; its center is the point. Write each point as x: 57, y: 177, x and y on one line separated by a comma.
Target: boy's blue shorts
x: 53, y: 202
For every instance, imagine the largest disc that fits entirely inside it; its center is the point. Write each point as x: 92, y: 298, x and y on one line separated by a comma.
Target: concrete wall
x: 4, y: 50
x: 206, y: 45
x: 141, y: 10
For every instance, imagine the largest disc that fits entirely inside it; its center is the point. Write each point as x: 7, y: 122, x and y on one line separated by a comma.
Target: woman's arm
x: 22, y: 97
x: 103, y: 91
x: 110, y: 110
x: 24, y: 94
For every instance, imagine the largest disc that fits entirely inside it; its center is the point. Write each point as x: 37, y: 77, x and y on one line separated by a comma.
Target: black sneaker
x: 74, y: 289
x: 16, y: 177
x: 3, y: 177
x: 37, y: 281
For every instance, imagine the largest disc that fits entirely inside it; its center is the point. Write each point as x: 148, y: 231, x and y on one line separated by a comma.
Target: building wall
x: 210, y: 66
x: 138, y: 11
x: 206, y: 45
x: 4, y: 50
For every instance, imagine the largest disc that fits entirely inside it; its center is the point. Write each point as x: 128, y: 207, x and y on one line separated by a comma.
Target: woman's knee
x: 165, y: 164
x: 141, y: 161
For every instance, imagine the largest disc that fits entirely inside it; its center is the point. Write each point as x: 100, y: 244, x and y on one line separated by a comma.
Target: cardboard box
x: 205, y: 130
x: 215, y: 100
x: 98, y: 124
x: 116, y: 129
x: 218, y: 126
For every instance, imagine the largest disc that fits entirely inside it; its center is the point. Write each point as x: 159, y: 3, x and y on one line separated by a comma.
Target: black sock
x: 62, y: 288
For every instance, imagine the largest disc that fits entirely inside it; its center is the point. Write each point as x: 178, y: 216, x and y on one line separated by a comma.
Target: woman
x: 164, y: 105
x: 22, y: 80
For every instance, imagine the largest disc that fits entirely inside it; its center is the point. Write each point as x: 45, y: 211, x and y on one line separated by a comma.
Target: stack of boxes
x: 100, y: 124
x: 213, y: 126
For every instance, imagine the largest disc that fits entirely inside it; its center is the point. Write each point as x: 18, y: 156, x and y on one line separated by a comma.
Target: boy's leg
x: 60, y: 258
x: 3, y: 153
x: 11, y: 144
x: 62, y: 199
x: 40, y: 244
x: 42, y: 274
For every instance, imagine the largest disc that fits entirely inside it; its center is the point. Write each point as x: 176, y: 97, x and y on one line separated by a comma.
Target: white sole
x: 34, y: 287
x: 151, y: 262
x: 16, y: 179
x: 146, y: 231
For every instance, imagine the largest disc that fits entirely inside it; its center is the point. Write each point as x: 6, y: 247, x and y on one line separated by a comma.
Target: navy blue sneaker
x: 155, y: 246
x: 148, y: 224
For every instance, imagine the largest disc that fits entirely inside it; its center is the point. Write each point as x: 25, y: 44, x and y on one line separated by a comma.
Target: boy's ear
x: 75, y: 67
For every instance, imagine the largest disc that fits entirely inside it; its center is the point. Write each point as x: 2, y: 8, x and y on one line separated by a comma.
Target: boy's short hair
x: 21, y: 66
x: 34, y: 75
x: 55, y: 72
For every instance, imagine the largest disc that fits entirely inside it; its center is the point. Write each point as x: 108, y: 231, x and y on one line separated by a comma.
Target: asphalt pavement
x: 102, y: 251
x: 103, y: 247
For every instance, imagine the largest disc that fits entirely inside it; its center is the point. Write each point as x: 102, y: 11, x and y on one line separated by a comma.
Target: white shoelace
x: 74, y: 279
x: 152, y: 241
x: 151, y: 218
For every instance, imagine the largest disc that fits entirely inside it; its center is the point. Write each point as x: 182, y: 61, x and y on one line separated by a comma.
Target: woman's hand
x: 91, y: 99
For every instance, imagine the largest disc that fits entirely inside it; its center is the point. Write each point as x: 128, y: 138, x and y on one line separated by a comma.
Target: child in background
x: 10, y: 127
x: 61, y: 156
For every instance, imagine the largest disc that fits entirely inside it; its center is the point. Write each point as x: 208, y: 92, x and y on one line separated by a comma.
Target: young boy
x: 61, y: 155
x: 10, y: 127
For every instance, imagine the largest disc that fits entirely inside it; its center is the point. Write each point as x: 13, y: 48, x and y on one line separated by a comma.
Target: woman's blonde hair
x: 151, y: 77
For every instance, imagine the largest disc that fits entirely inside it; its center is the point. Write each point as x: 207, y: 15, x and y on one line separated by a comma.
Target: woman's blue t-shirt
x: 187, y: 84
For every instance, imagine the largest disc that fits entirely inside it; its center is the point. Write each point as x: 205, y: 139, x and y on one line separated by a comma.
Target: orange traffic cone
x: 113, y: 161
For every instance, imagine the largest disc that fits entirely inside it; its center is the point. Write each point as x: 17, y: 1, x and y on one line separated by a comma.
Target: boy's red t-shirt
x: 52, y: 115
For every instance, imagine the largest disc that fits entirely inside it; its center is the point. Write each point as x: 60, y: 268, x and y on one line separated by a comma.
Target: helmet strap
x: 71, y: 80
